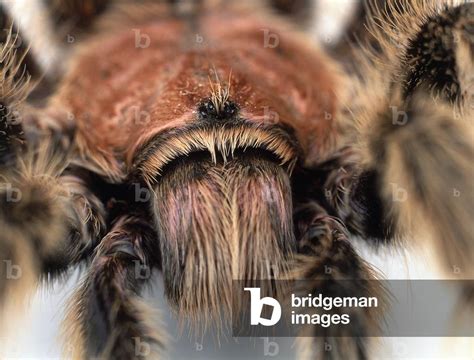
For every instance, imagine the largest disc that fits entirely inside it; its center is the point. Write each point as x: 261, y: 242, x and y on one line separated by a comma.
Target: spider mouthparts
x: 219, y: 142
x: 219, y: 223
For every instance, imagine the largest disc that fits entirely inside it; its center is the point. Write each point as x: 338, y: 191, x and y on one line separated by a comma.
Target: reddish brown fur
x: 113, y: 81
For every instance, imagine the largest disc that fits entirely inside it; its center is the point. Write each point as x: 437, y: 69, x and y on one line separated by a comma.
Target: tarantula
x: 213, y: 141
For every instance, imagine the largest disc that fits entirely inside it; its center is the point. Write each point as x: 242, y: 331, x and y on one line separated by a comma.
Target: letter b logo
x: 256, y: 306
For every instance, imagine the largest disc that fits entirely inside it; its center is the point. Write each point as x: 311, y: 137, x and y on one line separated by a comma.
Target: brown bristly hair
x: 219, y: 92
x: 219, y: 223
x: 329, y: 261
x: 430, y: 159
x: 34, y: 222
x: 217, y: 140
x: 427, y: 155
x: 16, y: 82
x: 109, y: 296
x: 385, y: 24
x: 36, y: 176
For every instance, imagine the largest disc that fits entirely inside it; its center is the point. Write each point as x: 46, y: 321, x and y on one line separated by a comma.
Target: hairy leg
x: 418, y: 140
x: 409, y: 166
x: 107, y: 318
x: 76, y: 13
x: 410, y: 159
x: 328, y: 264
x: 300, y: 11
x: 49, y: 220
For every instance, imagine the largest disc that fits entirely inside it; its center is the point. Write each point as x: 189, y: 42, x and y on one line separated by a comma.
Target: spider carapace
x: 226, y: 70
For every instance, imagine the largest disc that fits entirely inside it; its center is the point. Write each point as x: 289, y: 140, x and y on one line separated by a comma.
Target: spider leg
x: 106, y: 317
x: 349, y: 191
x: 78, y: 13
x: 49, y: 219
x: 355, y: 32
x: 86, y: 225
x: 419, y: 142
x: 299, y: 11
x: 425, y: 173
x: 328, y: 264
x: 14, y: 87
x: 408, y: 170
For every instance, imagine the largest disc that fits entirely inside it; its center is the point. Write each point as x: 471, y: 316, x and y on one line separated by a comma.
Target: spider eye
x: 207, y: 110
x: 229, y: 108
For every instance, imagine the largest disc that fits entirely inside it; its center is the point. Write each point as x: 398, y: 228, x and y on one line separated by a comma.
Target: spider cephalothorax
x: 214, y: 143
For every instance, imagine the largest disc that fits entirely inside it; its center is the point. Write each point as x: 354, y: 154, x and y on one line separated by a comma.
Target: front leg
x: 328, y: 264
x: 48, y: 220
x: 416, y: 135
x: 107, y: 318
